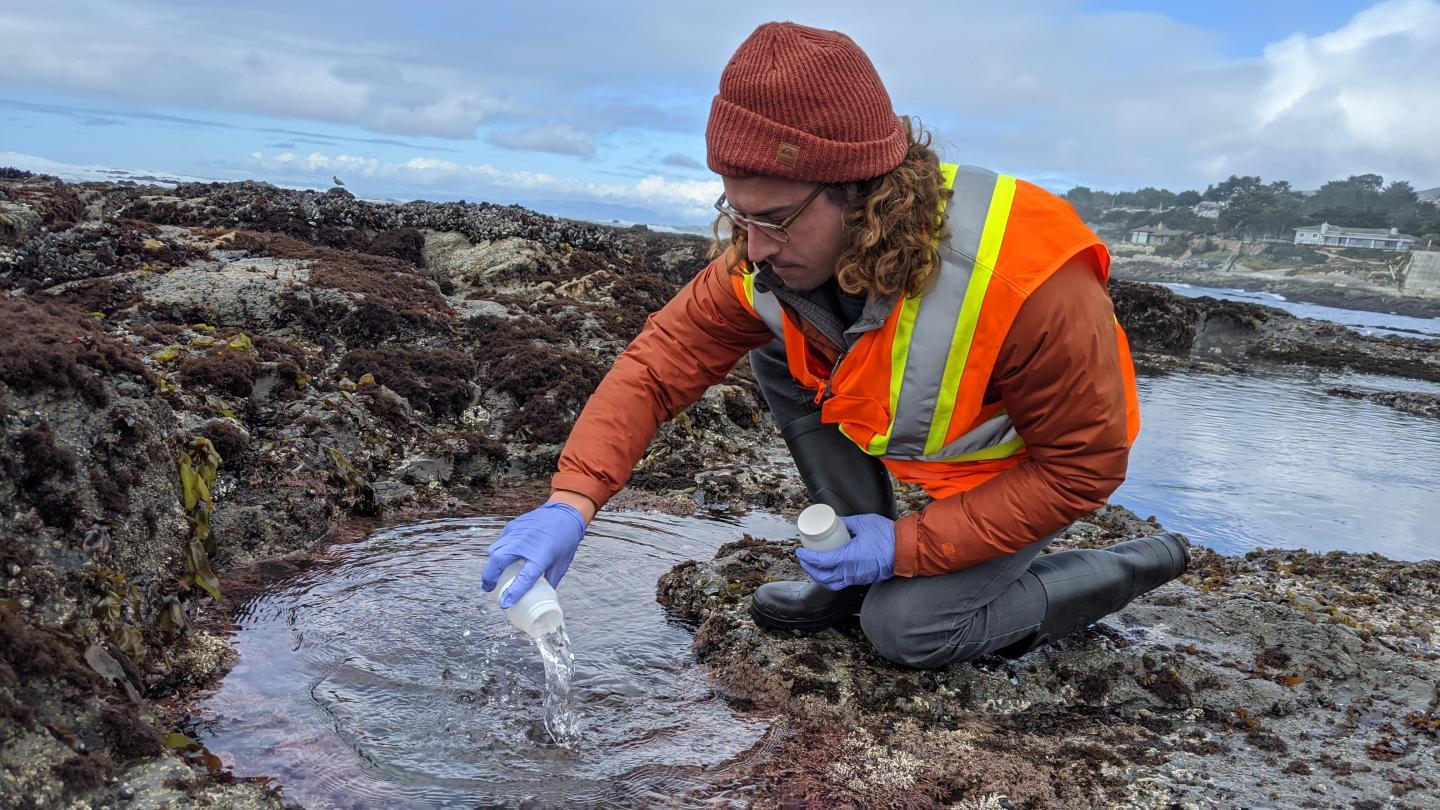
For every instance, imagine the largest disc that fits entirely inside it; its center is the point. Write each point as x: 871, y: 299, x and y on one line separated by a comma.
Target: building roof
x: 1338, y: 230
x: 1157, y: 231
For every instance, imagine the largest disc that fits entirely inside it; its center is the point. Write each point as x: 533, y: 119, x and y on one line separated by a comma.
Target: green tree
x: 1358, y: 191
x: 1188, y: 198
x: 1149, y: 198
x: 1234, y: 186
x: 1262, y: 210
x: 1424, y: 224
x: 1351, y: 217
x: 1397, y: 194
x: 1088, y: 203
x: 1399, y: 202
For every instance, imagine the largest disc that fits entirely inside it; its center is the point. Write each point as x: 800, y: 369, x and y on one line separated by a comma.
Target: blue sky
x: 598, y: 109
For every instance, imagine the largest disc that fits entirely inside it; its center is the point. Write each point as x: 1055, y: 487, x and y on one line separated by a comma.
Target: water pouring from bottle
x: 538, y: 613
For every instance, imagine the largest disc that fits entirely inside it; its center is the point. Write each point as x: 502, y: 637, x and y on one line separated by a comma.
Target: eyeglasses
x: 774, y: 230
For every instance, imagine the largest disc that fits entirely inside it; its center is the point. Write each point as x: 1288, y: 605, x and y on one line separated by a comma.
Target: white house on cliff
x: 1335, y: 236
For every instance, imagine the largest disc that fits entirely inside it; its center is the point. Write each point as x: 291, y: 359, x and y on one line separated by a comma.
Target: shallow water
x: 1366, y: 323
x: 1269, y: 459
x: 383, y: 676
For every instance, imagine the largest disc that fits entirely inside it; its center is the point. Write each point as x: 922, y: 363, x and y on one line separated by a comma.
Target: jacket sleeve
x: 686, y: 347
x: 1059, y: 376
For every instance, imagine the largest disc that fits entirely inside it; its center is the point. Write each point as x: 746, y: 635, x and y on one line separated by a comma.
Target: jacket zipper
x: 831, y: 379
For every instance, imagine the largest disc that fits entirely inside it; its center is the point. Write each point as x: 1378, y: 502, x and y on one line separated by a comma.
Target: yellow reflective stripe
x: 899, y: 356
x: 855, y: 440
x: 1001, y: 450
x: 985, y: 258
x: 749, y: 284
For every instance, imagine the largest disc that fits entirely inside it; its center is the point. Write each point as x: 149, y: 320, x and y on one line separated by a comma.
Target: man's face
x: 816, y: 237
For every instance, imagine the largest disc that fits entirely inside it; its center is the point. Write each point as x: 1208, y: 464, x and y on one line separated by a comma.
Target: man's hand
x: 545, y: 538
x: 868, y: 558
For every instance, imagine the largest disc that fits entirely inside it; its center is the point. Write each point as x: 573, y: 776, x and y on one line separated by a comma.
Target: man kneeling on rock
x: 943, y: 324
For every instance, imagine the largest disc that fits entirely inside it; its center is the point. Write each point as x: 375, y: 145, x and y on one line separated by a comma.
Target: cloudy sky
x: 598, y: 109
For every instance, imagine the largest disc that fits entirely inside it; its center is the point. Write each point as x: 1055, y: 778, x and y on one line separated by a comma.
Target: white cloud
x: 1361, y: 98
x: 559, y: 139
x: 688, y: 199
x: 1122, y: 99
x: 142, y: 54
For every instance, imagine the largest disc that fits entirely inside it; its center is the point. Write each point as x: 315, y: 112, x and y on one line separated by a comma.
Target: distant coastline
x: 1326, y: 289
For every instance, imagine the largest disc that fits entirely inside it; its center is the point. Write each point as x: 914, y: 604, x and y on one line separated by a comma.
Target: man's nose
x: 760, y: 246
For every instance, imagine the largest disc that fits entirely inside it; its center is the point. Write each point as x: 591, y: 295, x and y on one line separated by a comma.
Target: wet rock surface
x: 1413, y: 402
x: 1282, y: 679
x: 201, y: 384
x: 1173, y: 331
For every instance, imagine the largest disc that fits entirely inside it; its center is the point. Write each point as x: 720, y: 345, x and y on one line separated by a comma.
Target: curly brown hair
x: 891, y: 224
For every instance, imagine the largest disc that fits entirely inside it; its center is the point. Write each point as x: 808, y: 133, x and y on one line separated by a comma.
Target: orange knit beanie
x: 803, y: 104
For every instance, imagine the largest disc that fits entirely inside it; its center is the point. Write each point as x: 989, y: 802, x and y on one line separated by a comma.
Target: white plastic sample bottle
x: 821, y: 529
x: 538, y: 611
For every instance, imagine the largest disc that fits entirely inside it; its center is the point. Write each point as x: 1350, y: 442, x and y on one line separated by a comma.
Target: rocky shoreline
x: 204, y: 384
x: 1317, y: 287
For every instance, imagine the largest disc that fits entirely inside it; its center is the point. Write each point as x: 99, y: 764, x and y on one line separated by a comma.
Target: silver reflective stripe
x: 767, y: 306
x: 939, y: 310
x: 998, y: 429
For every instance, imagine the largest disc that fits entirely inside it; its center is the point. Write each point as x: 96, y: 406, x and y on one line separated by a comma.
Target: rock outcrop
x: 1283, y: 679
x: 1235, y: 334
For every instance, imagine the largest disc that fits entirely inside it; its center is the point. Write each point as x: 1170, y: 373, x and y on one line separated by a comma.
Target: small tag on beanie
x: 787, y: 154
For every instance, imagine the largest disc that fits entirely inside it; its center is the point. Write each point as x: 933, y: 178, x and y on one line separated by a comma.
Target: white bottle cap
x: 538, y: 611
x: 821, y: 529
x: 816, y: 522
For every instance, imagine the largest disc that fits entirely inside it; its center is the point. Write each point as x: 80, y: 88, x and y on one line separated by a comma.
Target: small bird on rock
x: 337, y: 180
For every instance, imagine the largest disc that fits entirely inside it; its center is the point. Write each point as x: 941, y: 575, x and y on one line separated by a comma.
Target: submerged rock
x: 1412, y: 402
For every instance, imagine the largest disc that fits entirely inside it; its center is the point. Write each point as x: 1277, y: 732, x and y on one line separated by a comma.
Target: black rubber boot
x: 842, y: 476
x: 1084, y: 585
x: 836, y: 472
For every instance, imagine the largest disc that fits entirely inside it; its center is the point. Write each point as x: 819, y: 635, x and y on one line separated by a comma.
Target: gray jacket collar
x: 804, y: 303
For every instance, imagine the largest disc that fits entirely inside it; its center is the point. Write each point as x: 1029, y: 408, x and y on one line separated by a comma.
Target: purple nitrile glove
x: 868, y: 558
x: 545, y: 538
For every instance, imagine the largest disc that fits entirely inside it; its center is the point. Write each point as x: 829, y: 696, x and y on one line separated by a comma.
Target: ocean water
x: 1270, y: 460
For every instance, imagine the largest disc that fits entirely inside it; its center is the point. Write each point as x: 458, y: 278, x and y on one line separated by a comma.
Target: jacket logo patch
x: 787, y: 154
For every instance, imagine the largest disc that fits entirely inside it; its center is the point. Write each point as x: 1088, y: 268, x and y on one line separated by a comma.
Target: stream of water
x: 560, y: 718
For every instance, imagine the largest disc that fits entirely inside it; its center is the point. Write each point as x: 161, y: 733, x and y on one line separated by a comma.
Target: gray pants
x: 927, y: 622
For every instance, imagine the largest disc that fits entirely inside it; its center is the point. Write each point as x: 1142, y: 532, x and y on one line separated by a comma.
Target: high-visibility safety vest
x: 911, y: 391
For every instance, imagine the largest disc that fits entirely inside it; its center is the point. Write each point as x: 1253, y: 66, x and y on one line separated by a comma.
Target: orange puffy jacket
x: 1057, y: 365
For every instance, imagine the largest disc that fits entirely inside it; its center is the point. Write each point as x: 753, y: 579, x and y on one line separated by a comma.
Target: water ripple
x: 1271, y: 460
x: 383, y: 676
